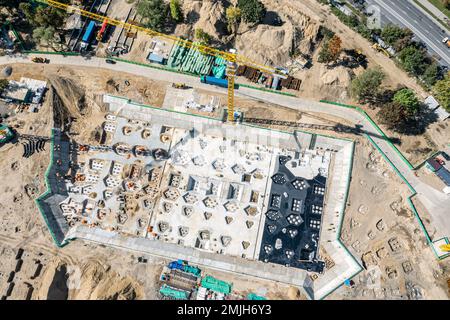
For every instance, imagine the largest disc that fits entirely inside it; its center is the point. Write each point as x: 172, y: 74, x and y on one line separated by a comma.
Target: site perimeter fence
x: 62, y: 53
x: 385, y: 137
x: 364, y: 113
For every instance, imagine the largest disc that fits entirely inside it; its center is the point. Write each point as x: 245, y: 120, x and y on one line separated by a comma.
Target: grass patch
x: 445, y: 25
x: 438, y: 4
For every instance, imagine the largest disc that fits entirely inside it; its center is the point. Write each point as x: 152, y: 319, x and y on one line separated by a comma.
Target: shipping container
x: 89, y: 32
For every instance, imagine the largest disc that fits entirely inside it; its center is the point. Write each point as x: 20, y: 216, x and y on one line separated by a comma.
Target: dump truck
x: 40, y: 60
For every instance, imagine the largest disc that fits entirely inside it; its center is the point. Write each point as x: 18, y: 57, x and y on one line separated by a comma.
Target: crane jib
x: 233, y: 58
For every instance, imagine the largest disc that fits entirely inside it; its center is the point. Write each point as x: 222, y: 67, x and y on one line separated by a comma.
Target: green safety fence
x: 19, y: 38
x: 409, y: 199
x: 413, y: 191
x: 52, y: 52
x: 47, y: 192
x: 380, y: 131
x: 194, y: 75
x: 266, y: 90
x: 287, y: 94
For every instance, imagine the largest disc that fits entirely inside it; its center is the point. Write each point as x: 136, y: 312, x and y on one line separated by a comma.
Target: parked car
x: 110, y: 61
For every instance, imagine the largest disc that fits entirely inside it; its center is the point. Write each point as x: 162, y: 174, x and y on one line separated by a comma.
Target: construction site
x: 164, y: 178
x: 160, y: 183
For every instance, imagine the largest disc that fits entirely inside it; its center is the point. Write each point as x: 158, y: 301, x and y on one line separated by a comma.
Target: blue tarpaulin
x: 444, y: 175
x: 155, y: 58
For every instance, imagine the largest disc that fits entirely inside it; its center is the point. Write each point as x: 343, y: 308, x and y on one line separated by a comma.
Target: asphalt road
x: 405, y: 14
x: 435, y: 201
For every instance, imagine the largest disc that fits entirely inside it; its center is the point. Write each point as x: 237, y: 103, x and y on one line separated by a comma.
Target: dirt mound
x: 98, y: 281
x: 208, y: 15
x: 338, y: 76
x: 54, y: 282
x: 274, y: 44
x: 212, y: 18
x: 91, y: 281
x: 265, y: 43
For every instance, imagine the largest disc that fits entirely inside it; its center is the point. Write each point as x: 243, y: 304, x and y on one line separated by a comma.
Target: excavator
x: 377, y: 47
x: 40, y: 60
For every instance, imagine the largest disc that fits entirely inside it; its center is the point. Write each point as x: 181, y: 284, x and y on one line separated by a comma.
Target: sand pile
x: 92, y: 281
x: 67, y: 99
x: 208, y: 15
x: 338, y: 76
x: 267, y: 42
x: 272, y: 44
x: 212, y: 18
x: 54, y: 282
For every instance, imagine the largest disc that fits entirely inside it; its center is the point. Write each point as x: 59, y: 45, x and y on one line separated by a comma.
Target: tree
x: 175, y: 10
x: 367, y: 85
x: 153, y: 12
x: 202, y: 36
x: 442, y: 93
x: 407, y: 99
x: 253, y: 11
x: 45, y: 35
x: 27, y: 9
x: 331, y: 49
x: 335, y: 47
x: 413, y: 60
x: 395, y: 117
x: 48, y: 16
x: 233, y: 15
x: 396, y: 36
x: 44, y: 16
x: 3, y: 85
x: 431, y: 74
x: 9, y: 4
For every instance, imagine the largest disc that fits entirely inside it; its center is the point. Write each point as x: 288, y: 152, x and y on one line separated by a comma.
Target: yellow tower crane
x: 231, y: 57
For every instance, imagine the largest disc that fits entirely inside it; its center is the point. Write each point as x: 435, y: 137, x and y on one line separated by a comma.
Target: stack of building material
x: 219, y: 68
x: 190, y: 60
x: 255, y: 76
x: 291, y: 83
